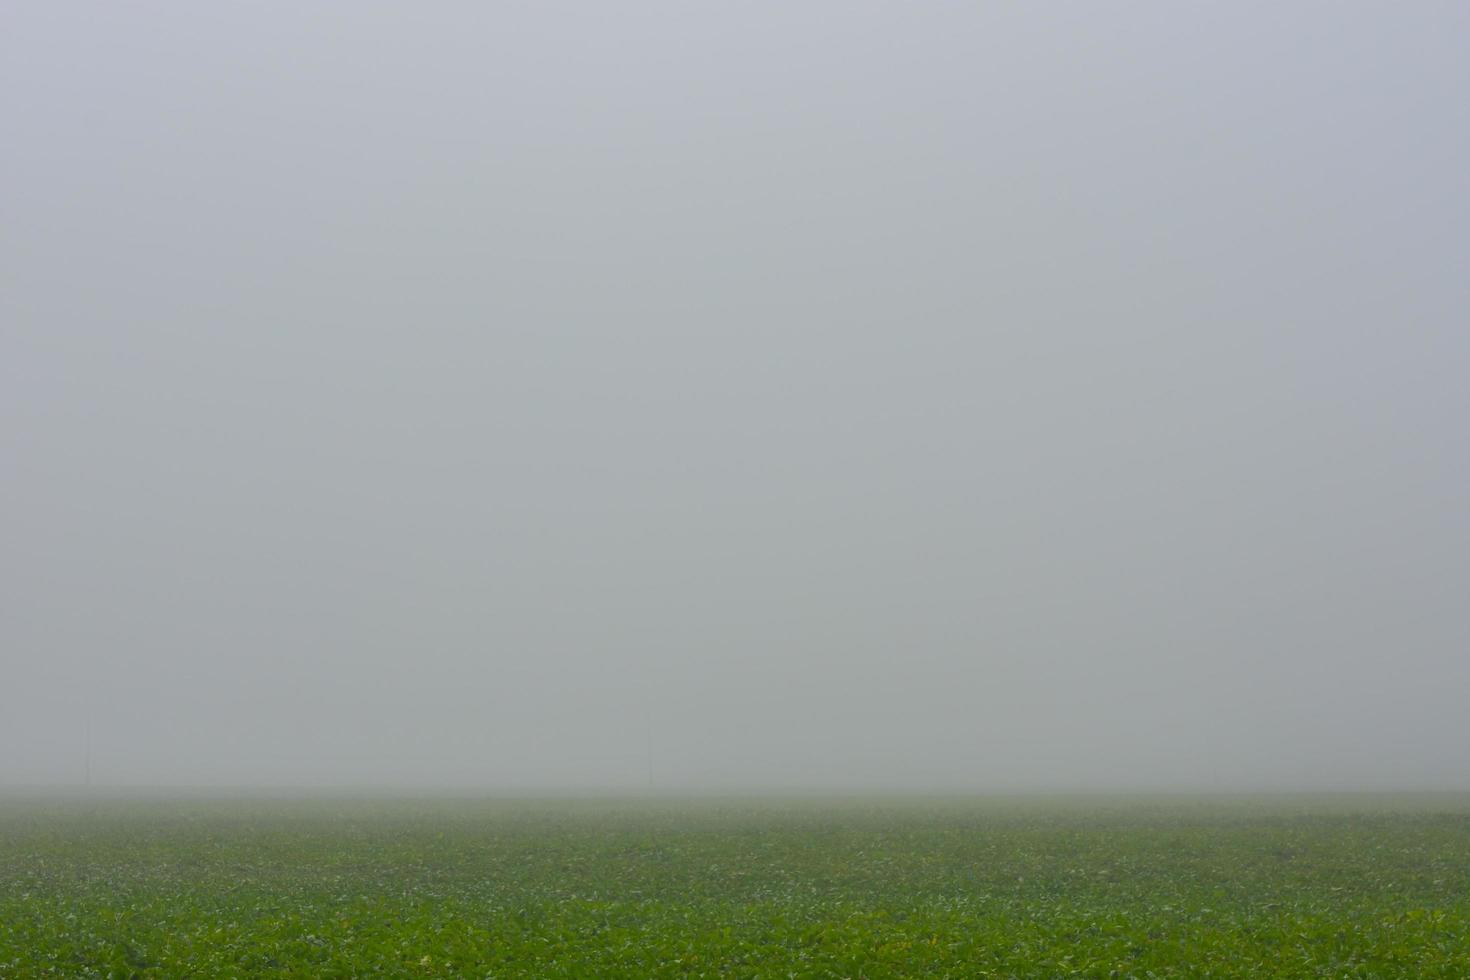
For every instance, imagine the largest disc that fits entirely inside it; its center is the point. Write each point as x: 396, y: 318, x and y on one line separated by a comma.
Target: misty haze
x: 763, y: 401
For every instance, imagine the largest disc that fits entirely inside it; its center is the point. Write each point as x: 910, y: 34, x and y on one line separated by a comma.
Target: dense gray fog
x: 831, y: 396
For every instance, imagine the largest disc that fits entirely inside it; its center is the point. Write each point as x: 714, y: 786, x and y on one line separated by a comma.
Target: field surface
x: 1101, y: 887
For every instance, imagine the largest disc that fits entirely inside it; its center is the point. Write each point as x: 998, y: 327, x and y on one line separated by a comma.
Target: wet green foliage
x: 1348, y: 887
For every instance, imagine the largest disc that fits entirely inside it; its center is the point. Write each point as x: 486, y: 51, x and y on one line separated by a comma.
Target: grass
x: 1103, y: 887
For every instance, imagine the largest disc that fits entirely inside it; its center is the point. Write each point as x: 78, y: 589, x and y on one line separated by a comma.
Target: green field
x: 1100, y: 887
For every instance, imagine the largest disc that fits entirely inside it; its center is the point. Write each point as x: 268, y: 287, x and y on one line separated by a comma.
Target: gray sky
x: 835, y: 395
